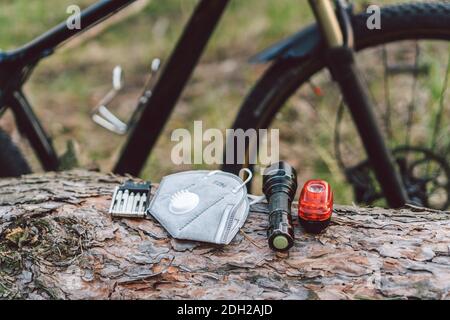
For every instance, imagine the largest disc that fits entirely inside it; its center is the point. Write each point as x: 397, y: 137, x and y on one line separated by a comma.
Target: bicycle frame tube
x: 340, y: 60
x: 168, y: 89
x: 46, y: 43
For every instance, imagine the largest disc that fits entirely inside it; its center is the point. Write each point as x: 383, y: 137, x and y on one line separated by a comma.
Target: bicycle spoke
x: 337, y: 135
x: 438, y: 117
x: 442, y: 98
x: 387, y: 94
x: 412, y: 105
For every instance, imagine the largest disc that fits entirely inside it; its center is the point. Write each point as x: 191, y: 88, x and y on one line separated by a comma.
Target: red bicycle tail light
x: 315, y: 205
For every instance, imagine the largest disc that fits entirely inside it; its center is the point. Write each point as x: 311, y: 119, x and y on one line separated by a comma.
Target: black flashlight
x: 279, y: 187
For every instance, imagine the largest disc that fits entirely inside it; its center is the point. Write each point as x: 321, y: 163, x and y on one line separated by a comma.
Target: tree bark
x: 57, y: 241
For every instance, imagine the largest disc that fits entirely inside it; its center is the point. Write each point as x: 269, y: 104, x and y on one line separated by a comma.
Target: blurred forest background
x: 68, y: 85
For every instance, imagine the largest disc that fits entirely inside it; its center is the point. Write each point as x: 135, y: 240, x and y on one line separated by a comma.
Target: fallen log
x: 57, y: 241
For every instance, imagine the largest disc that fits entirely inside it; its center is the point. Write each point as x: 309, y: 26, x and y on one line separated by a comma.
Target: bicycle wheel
x: 12, y: 162
x: 413, y: 31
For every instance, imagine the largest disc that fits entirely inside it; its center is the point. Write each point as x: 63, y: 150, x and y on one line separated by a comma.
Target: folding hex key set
x: 130, y: 200
x: 191, y: 209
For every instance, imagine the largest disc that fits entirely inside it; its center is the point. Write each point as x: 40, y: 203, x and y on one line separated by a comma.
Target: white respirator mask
x: 208, y: 206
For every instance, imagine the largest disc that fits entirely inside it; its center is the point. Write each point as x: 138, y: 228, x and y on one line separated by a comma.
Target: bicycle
x: 332, y: 43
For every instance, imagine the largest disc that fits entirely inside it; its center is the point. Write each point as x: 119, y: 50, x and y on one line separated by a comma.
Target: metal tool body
x: 130, y: 200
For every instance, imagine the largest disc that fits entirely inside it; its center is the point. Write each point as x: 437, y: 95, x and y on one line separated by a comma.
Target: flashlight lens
x: 280, y: 242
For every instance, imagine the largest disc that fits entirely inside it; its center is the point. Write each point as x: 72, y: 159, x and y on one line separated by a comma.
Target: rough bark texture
x: 58, y: 241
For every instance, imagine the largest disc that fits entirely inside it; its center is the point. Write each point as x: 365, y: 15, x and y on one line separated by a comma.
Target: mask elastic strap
x: 250, y: 176
x: 255, y: 199
x: 211, y: 173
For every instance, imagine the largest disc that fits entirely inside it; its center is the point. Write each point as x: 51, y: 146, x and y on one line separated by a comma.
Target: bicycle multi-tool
x: 130, y: 200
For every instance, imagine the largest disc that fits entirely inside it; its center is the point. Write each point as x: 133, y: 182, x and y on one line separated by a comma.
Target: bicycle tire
x: 12, y: 162
x: 411, y: 21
